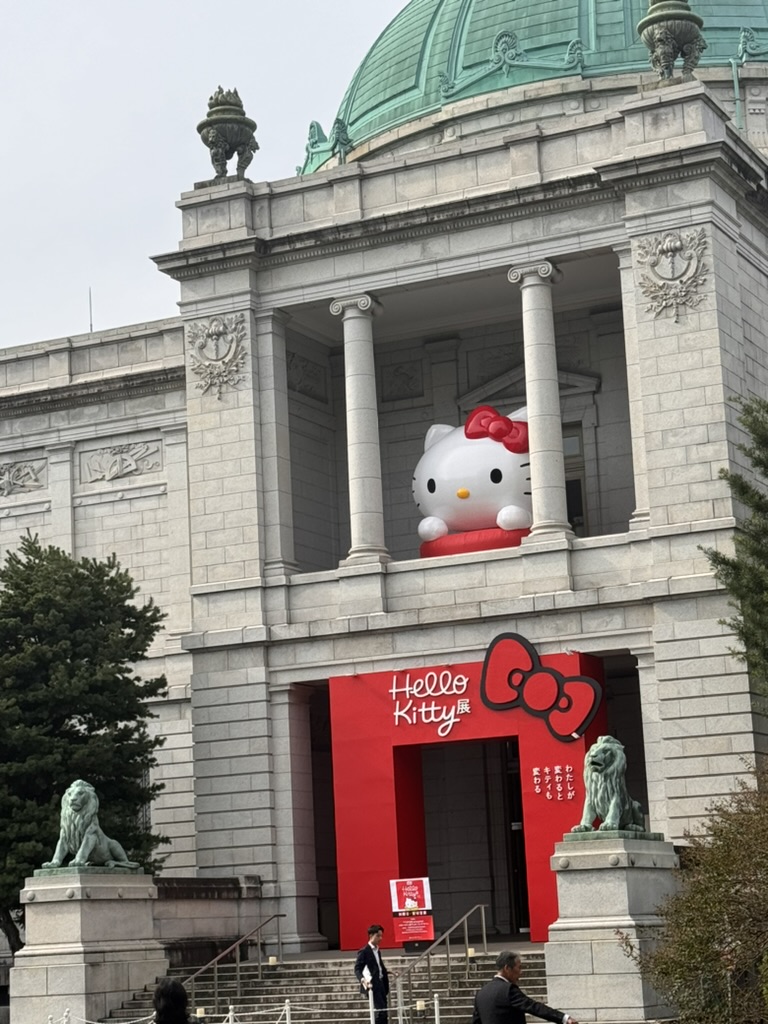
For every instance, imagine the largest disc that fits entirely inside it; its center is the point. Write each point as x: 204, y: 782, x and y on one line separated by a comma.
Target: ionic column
x: 270, y: 348
x: 641, y: 515
x: 542, y: 390
x: 366, y: 497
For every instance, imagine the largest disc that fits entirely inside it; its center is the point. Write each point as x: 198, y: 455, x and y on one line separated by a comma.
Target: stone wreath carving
x: 677, y: 270
x: 218, y: 352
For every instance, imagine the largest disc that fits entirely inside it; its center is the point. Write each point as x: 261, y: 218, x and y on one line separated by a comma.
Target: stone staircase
x: 324, y: 991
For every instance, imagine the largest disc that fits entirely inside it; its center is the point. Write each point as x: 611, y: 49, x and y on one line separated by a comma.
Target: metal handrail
x: 236, y: 946
x: 407, y: 973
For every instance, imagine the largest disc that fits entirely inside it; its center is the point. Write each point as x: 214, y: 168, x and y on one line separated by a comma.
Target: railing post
x: 400, y: 1001
x: 237, y: 969
x: 482, y: 918
x: 279, y: 939
x: 448, y: 958
x: 437, y: 1008
x: 371, y: 1010
x: 231, y: 1015
x: 216, y: 986
x: 288, y: 1011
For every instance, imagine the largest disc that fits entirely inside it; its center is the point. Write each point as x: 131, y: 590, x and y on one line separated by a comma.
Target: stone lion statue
x: 81, y: 835
x: 607, y: 798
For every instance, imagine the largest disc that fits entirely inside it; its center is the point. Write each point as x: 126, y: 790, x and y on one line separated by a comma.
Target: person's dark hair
x: 170, y: 1002
x: 506, y: 958
x: 375, y: 928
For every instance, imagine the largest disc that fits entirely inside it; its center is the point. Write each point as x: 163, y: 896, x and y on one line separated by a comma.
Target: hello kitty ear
x: 436, y: 433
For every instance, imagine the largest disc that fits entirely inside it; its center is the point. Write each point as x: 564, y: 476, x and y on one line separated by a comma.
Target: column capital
x: 60, y: 450
x: 174, y: 433
x: 547, y: 273
x: 276, y: 315
x: 623, y: 251
x: 356, y: 305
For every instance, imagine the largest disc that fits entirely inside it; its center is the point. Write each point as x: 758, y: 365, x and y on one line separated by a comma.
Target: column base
x: 277, y: 567
x: 550, y: 530
x: 367, y: 556
x: 641, y: 519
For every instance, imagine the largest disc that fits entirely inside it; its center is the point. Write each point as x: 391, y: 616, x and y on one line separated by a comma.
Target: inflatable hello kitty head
x: 475, y: 478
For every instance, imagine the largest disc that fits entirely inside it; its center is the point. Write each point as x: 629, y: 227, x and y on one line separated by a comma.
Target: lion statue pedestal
x: 611, y: 878
x: 90, y: 943
x: 607, y: 882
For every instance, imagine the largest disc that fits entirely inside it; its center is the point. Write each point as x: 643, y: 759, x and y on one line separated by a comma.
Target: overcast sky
x: 100, y: 103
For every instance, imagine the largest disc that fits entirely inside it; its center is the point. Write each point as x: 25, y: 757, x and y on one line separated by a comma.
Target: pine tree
x: 71, y: 706
x: 710, y: 959
x: 745, y: 573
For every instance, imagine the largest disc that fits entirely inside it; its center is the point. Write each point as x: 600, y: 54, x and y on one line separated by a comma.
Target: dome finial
x: 671, y: 30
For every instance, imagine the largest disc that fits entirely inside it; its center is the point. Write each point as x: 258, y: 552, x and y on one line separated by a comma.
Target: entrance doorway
x: 474, y: 830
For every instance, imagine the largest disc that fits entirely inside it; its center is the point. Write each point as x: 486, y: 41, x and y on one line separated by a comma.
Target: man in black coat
x: 372, y: 974
x: 502, y: 1002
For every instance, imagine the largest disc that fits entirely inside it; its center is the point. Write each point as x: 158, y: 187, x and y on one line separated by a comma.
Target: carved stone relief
x: 676, y: 270
x: 120, y: 460
x: 306, y: 377
x: 485, y: 364
x: 402, y: 381
x: 218, y: 352
x: 21, y: 477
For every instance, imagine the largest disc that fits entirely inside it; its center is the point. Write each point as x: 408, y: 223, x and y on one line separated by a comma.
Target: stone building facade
x: 570, y: 236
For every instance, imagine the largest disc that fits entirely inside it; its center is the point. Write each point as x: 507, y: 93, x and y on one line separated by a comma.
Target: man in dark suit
x: 372, y: 974
x: 502, y: 1002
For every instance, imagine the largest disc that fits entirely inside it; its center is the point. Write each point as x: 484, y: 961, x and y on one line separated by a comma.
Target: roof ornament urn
x: 226, y: 131
x: 671, y: 30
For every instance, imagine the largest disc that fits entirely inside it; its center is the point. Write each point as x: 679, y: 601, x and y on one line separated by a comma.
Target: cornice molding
x: 135, y: 385
x: 609, y: 182
x: 425, y: 221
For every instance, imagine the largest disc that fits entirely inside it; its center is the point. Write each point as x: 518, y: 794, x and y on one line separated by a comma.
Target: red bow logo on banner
x: 513, y: 677
x: 486, y: 422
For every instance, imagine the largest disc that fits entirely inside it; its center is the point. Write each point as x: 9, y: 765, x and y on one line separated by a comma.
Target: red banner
x: 379, y: 722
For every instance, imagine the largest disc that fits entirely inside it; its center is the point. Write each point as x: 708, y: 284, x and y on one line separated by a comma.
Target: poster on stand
x: 411, y: 912
x: 410, y: 895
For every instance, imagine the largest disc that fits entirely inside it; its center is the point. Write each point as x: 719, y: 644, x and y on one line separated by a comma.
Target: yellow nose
x: 462, y: 493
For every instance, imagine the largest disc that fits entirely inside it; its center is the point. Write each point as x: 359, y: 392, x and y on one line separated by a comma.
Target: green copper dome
x: 435, y: 52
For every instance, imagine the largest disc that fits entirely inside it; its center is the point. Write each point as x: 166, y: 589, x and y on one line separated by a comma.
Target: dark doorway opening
x: 475, y: 838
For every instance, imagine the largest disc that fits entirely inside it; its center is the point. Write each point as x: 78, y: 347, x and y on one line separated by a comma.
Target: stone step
x: 324, y: 991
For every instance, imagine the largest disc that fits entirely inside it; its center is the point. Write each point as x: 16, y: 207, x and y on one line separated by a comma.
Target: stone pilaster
x: 294, y: 818
x: 653, y: 743
x: 641, y: 515
x: 550, y: 515
x: 225, y: 469
x: 61, y: 480
x: 177, y: 604
x: 366, y: 500
x: 270, y: 353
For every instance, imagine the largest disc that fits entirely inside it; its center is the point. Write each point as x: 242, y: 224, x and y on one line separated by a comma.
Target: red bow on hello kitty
x: 485, y: 421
